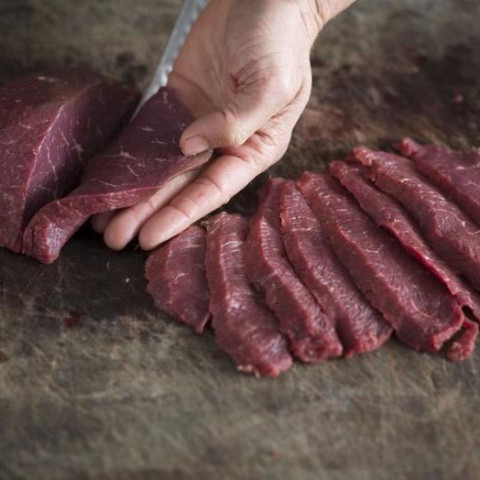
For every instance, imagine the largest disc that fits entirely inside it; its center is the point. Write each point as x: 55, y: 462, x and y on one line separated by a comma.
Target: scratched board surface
x: 96, y: 384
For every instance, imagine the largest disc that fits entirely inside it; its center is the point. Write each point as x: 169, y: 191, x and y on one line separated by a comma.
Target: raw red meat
x: 422, y: 312
x: 244, y: 326
x: 310, y: 332
x: 390, y: 215
x: 448, y: 230
x: 143, y: 157
x: 456, y: 174
x: 50, y: 125
x: 177, y: 278
x: 462, y: 347
x: 360, y: 327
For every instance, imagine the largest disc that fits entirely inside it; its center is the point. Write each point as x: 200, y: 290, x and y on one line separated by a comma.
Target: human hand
x: 244, y: 72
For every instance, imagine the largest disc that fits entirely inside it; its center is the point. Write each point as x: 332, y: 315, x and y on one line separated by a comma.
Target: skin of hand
x: 244, y: 72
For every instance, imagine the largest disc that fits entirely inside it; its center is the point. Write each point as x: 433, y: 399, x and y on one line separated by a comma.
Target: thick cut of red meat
x: 360, y: 327
x: 244, y: 326
x: 141, y: 158
x: 391, y: 215
x: 456, y: 174
x: 422, y: 312
x: 50, y: 125
x: 448, y: 230
x: 310, y: 332
x: 177, y: 278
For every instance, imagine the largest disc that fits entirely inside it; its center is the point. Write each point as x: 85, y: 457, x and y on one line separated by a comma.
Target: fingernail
x: 194, y: 146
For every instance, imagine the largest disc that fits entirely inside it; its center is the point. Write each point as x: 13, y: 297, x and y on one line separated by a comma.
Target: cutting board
x: 97, y: 384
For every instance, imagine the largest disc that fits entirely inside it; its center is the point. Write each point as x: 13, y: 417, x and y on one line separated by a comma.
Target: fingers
x: 122, y: 227
x: 232, y: 126
x: 225, y: 177
x: 190, y: 197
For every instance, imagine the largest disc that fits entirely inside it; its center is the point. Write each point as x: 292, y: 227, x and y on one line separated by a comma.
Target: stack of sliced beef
x: 332, y: 264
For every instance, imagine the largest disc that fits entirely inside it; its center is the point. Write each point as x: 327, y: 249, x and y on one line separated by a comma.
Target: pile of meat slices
x: 333, y: 264
x: 330, y: 265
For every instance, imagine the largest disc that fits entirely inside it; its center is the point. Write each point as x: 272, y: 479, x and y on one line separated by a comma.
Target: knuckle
x: 283, y: 89
x: 276, y: 86
x: 255, y: 158
x: 149, y: 206
x: 139, y: 212
x: 209, y: 187
x: 182, y: 209
x: 203, y: 192
x: 272, y: 145
x: 282, y: 82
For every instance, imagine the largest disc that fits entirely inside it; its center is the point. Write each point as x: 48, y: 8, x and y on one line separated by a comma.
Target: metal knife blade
x: 189, y: 13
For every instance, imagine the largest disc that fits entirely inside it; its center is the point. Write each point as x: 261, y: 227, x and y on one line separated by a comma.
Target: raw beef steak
x: 143, y: 157
x: 448, y: 230
x: 422, y: 312
x: 310, y: 332
x: 390, y: 215
x: 244, y: 326
x: 177, y: 279
x: 50, y: 125
x: 456, y: 174
x: 360, y: 327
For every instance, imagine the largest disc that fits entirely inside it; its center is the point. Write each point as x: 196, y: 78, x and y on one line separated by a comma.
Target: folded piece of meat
x: 456, y: 174
x: 177, y: 279
x: 244, y: 326
x: 310, y: 332
x: 463, y: 345
x: 420, y: 309
x: 393, y: 217
x: 142, y: 157
x: 448, y: 230
x: 50, y: 125
x: 360, y: 327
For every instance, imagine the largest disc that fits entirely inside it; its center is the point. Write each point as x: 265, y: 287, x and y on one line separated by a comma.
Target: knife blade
x: 188, y: 14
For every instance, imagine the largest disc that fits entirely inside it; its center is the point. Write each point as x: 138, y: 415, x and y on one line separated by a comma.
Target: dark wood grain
x: 96, y: 384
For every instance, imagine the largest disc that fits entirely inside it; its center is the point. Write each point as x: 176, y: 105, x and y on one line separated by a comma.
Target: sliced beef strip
x: 177, y: 278
x: 448, y: 230
x: 420, y: 309
x: 310, y: 332
x: 463, y: 345
x: 50, y: 125
x: 393, y: 217
x: 143, y: 157
x: 244, y: 326
x: 360, y: 327
x: 456, y: 174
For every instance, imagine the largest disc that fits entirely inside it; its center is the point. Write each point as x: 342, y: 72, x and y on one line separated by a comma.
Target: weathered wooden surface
x: 95, y: 384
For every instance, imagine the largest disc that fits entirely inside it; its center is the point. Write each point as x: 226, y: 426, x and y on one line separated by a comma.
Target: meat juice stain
x: 74, y: 320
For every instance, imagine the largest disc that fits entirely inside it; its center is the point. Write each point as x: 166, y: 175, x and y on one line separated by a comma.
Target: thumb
x: 235, y: 124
